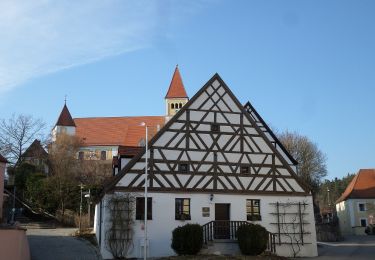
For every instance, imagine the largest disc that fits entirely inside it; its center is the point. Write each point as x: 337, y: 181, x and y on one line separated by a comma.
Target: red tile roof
x: 2, y: 159
x: 362, y: 186
x: 126, y: 131
x: 176, y: 88
x: 65, y: 119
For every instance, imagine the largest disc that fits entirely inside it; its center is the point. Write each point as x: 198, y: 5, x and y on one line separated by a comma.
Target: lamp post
x: 146, y: 186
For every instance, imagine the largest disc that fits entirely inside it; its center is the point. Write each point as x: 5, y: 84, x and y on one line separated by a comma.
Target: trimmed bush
x: 252, y: 239
x: 187, y: 240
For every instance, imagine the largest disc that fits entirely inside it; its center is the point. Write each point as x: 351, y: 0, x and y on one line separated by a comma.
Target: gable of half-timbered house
x: 213, y: 144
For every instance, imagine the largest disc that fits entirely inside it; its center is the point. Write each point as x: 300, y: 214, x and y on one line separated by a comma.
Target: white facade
x: 163, y: 221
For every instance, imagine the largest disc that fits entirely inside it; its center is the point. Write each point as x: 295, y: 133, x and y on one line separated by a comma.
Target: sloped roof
x: 176, y: 88
x: 126, y: 131
x: 35, y: 150
x: 65, y: 119
x: 112, y: 183
x: 2, y: 159
x: 362, y: 186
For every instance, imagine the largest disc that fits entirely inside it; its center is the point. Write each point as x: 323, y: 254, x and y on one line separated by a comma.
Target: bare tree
x: 17, y: 133
x: 64, y: 168
x: 311, y: 161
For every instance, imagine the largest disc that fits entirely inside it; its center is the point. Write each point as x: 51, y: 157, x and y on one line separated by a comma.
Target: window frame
x: 215, y: 128
x: 360, y: 222
x: 253, y: 215
x: 179, y: 213
x: 180, y: 166
x: 359, y: 206
x: 79, y: 155
x: 140, y: 209
x: 244, y: 166
x: 101, y: 155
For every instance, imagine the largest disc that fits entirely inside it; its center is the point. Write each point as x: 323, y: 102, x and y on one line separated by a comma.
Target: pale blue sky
x: 306, y: 66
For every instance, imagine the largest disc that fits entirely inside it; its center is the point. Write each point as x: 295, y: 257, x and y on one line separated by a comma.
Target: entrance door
x: 221, y: 227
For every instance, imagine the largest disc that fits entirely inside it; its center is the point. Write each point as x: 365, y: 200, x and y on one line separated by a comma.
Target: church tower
x: 65, y: 124
x: 176, y: 96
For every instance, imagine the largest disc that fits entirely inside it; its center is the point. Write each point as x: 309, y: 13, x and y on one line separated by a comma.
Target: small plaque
x: 206, y: 211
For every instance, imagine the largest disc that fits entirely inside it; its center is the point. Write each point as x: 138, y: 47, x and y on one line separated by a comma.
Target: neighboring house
x: 37, y: 156
x: 105, y: 138
x: 3, y: 163
x: 356, y: 206
x: 215, y: 163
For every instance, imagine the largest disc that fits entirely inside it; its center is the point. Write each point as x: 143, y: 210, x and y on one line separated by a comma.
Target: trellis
x: 119, y: 232
x: 290, y: 224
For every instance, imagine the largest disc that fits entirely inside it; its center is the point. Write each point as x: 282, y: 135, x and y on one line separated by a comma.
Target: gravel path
x: 58, y: 244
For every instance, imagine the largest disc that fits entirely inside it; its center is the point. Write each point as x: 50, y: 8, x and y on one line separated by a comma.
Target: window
x: 253, y: 210
x: 172, y: 106
x: 140, y: 208
x: 183, y: 167
x: 103, y: 155
x: 361, y: 207
x: 245, y: 169
x: 180, y: 105
x: 182, y: 209
x: 215, y: 128
x: 81, y: 155
x: 363, y: 222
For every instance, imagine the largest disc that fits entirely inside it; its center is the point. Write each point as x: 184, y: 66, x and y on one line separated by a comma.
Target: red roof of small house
x: 362, y: 186
x: 116, y: 131
x: 176, y: 88
x: 65, y: 119
x: 2, y: 159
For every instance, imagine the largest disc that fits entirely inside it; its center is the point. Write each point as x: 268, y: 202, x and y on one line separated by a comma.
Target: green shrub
x: 187, y: 240
x: 252, y: 239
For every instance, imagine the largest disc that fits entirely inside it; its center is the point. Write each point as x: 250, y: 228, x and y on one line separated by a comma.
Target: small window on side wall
x: 253, y: 210
x: 215, y: 128
x: 361, y: 207
x: 182, y: 210
x: 103, y: 155
x: 81, y: 155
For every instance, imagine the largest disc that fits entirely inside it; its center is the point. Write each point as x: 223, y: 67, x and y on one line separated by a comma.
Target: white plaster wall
x: 163, y: 220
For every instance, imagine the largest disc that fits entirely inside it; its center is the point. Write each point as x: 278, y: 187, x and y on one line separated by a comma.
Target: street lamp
x: 146, y: 184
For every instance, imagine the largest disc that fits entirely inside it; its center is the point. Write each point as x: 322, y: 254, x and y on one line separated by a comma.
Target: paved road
x: 58, y: 244
x: 353, y: 248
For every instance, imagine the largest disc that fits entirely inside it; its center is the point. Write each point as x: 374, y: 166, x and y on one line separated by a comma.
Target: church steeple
x: 65, y: 124
x: 65, y: 118
x: 176, y: 96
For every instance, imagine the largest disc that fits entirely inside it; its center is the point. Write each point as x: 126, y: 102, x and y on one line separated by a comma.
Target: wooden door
x: 221, y: 228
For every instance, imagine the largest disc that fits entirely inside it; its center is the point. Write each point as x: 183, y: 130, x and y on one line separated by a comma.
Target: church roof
x: 126, y: 131
x: 362, y: 186
x: 176, y: 88
x: 35, y: 150
x: 2, y: 159
x: 65, y: 119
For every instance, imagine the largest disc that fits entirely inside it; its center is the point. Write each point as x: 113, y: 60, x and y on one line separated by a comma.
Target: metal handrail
x: 226, y: 229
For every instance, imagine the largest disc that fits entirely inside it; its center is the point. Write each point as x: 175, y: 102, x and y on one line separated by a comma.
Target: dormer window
x: 183, y: 167
x: 215, y: 128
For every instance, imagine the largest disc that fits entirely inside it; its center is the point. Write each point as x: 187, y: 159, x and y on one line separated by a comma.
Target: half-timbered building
x: 216, y: 163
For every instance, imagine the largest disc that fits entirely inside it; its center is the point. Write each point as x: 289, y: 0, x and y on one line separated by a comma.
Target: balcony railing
x: 226, y: 229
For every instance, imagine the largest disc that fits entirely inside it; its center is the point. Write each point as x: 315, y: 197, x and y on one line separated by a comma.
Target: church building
x: 214, y: 162
x: 115, y: 140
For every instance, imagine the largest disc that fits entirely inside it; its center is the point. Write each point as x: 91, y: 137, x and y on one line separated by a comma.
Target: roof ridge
x: 113, y: 117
